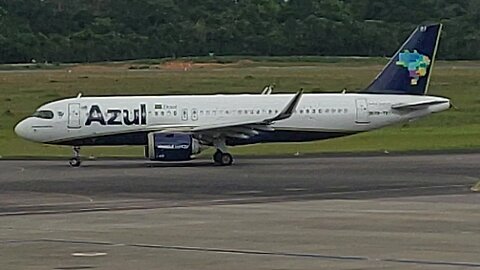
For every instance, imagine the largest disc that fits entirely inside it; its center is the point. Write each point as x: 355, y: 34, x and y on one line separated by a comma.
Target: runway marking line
x: 92, y: 201
x: 443, y: 263
x: 294, y: 189
x: 88, y: 254
x: 261, y: 199
x: 21, y: 169
x: 252, y: 252
x: 80, y: 267
x: 246, y: 192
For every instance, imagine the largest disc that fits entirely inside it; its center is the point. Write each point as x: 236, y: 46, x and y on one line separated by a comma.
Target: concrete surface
x: 383, y: 212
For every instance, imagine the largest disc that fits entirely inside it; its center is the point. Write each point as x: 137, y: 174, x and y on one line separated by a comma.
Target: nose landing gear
x: 75, y: 160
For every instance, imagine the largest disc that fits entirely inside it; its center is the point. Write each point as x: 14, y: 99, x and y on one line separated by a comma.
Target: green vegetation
x: 186, y: 46
x: 22, y: 91
x: 90, y: 31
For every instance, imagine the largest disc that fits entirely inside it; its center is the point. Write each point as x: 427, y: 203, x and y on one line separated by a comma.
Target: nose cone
x: 23, y: 130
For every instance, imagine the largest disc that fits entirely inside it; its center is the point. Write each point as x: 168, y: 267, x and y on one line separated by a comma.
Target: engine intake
x: 171, y: 146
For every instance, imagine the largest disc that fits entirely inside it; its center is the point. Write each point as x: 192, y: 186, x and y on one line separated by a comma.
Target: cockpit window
x: 43, y: 114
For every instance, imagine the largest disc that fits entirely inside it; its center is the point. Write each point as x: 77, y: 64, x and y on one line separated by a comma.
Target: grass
x: 23, y: 90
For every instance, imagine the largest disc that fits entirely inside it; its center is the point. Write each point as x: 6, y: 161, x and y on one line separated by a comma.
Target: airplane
x: 176, y: 128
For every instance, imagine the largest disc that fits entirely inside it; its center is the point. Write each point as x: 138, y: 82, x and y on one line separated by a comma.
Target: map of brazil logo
x: 416, y: 64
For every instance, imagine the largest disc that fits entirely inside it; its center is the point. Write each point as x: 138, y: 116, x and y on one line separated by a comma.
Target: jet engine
x: 171, y: 146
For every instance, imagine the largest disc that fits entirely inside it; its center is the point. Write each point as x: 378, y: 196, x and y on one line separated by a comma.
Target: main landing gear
x: 75, y: 161
x: 224, y: 159
x: 221, y: 156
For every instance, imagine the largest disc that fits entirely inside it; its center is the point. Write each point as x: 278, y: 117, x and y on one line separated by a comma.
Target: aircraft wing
x: 284, y: 114
x: 245, y: 130
x: 417, y: 105
x: 242, y: 130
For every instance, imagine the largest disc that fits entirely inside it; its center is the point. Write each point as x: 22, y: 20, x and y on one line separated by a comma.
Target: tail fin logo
x: 416, y: 63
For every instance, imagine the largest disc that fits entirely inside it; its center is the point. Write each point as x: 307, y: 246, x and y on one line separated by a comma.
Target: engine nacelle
x: 171, y: 146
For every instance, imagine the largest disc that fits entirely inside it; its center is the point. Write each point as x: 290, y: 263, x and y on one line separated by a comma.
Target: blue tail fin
x: 408, y: 71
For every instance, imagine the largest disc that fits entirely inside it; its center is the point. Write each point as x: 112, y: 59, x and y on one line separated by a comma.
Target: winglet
x: 288, y: 110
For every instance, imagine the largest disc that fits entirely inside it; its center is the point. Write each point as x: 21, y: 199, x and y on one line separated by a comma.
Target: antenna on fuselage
x: 268, y: 89
x: 79, y: 95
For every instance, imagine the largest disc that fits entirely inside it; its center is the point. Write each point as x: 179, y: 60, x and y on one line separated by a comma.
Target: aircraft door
x: 361, y: 111
x: 194, y: 114
x: 184, y: 114
x: 74, y: 115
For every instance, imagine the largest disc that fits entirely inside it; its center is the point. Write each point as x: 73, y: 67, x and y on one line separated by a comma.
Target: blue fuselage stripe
x: 140, y: 138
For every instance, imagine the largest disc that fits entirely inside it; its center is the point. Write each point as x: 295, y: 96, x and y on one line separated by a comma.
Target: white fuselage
x: 78, y: 121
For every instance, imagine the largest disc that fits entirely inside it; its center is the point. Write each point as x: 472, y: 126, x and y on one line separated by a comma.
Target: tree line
x: 99, y: 30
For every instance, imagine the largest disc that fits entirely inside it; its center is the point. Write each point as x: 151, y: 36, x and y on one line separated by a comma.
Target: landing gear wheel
x: 217, y: 156
x: 224, y: 159
x: 75, y: 162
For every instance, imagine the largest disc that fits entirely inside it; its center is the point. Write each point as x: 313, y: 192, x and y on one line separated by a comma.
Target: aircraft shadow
x: 123, y: 165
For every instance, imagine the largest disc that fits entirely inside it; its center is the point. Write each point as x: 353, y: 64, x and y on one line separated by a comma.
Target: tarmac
x: 344, y: 212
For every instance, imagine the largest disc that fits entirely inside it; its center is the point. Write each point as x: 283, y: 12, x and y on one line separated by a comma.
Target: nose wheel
x: 75, y: 160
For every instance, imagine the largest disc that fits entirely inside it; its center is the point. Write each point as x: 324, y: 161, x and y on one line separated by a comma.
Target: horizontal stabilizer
x: 417, y: 105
